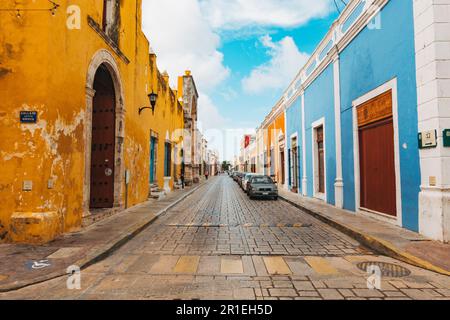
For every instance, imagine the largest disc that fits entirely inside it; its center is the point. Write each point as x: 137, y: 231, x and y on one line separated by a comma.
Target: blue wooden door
x: 152, y: 159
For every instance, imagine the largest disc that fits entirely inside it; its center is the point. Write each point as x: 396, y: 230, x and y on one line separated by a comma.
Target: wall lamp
x: 152, y: 97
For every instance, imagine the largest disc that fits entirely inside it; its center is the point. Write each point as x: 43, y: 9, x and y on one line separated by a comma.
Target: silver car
x: 245, y: 180
x: 262, y: 187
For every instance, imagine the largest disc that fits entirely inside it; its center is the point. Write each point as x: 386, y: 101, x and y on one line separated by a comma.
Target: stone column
x: 432, y: 38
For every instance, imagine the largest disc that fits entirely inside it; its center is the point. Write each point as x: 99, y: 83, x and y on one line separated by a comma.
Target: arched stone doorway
x: 103, y: 141
x: 104, y: 135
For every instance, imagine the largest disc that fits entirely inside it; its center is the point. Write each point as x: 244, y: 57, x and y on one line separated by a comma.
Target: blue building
x: 352, y: 121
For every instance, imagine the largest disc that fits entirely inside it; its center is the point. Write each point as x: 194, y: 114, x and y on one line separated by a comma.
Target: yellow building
x: 72, y: 141
x: 166, y: 132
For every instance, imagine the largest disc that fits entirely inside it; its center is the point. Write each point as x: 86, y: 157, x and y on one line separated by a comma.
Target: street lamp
x: 152, y: 97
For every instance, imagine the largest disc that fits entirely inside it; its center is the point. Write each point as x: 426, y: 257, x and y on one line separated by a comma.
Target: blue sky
x: 241, y: 56
x: 242, y: 53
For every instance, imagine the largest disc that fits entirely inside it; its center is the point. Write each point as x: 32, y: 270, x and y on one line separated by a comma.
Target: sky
x: 242, y: 53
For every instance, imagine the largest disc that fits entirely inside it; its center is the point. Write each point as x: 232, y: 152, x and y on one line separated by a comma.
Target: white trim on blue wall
x: 339, y: 182
x: 286, y: 155
x: 391, y: 85
x: 304, y: 178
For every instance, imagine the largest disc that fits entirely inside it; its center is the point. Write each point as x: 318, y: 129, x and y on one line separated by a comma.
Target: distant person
x: 182, y: 181
x: 206, y: 175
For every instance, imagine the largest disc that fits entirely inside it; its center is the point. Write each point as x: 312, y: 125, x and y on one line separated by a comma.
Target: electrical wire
x: 53, y: 9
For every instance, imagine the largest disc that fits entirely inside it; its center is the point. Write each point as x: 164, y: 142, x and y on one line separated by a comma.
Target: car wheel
x: 275, y: 198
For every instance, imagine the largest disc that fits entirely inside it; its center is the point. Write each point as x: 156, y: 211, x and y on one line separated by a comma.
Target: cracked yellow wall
x: 43, y: 67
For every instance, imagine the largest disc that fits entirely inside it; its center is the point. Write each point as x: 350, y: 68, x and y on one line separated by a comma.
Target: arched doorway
x: 103, y: 141
x: 103, y: 83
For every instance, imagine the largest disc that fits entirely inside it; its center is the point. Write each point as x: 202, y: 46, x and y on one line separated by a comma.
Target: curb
x: 378, y: 245
x: 102, y: 252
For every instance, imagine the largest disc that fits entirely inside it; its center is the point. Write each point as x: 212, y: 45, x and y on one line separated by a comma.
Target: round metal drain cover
x: 387, y: 269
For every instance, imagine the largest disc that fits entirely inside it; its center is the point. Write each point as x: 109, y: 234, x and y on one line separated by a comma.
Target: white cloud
x: 187, y: 34
x: 209, y: 116
x: 182, y: 40
x: 222, y: 134
x: 236, y: 14
x: 286, y: 60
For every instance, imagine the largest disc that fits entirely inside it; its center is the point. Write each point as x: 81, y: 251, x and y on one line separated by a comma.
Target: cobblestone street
x: 218, y: 244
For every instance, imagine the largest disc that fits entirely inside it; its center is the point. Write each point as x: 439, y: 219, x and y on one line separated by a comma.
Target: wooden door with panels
x: 321, y: 160
x: 377, y: 156
x: 103, y: 141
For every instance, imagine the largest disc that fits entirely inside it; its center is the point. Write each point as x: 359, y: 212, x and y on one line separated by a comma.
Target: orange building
x: 274, y: 155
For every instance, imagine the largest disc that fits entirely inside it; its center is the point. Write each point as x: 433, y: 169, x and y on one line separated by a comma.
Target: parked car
x: 239, y: 177
x: 261, y: 186
x: 245, y: 180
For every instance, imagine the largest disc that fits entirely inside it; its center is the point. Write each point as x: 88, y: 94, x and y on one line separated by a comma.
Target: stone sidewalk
x: 25, y: 265
x: 385, y: 238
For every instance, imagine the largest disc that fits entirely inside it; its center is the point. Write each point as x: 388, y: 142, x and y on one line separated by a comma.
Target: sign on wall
x: 28, y: 116
x: 428, y: 139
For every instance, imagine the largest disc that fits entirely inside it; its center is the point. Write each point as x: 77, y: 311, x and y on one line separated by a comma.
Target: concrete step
x: 157, y: 194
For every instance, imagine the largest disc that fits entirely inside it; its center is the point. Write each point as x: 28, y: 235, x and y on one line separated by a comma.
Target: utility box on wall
x: 446, y: 138
x: 428, y: 139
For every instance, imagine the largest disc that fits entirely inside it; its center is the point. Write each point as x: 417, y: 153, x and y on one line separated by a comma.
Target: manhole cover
x: 387, y: 269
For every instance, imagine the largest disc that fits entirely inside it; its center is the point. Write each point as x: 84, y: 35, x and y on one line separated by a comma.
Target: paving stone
x: 418, y: 285
x: 330, y: 294
x: 276, y: 265
x: 231, y: 265
x: 393, y: 294
x: 368, y: 293
x: 444, y: 292
x: 346, y: 293
x: 244, y: 294
x: 282, y: 284
x: 398, y: 284
x: 308, y: 294
x: 339, y: 284
x: 209, y: 265
x: 283, y: 292
x: 303, y: 285
x: 318, y: 284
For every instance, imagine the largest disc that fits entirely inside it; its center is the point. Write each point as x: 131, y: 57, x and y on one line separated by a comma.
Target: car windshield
x: 262, y: 180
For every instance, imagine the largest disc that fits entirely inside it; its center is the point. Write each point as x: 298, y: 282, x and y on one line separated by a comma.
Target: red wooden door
x: 377, y: 167
x: 103, y: 142
x: 321, y: 158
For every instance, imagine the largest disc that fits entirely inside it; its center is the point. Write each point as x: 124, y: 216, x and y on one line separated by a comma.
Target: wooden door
x: 153, y: 145
x: 321, y: 160
x: 103, y: 141
x: 294, y: 165
x: 377, y: 167
x: 376, y: 155
x: 283, y: 174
